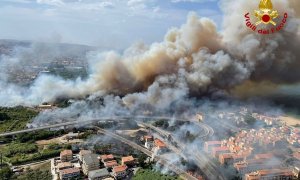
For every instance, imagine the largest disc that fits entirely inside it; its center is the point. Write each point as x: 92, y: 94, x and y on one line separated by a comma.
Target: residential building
x: 159, y: 145
x: 64, y: 165
x: 110, y: 164
x: 66, y: 155
x: 256, y: 164
x: 83, y: 152
x: 119, y: 171
x: 90, y: 162
x: 270, y: 174
x: 99, y: 174
x: 107, y: 157
x: 67, y: 174
x: 129, y: 161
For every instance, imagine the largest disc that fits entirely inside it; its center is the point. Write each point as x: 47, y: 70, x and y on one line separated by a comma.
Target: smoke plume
x: 194, y: 59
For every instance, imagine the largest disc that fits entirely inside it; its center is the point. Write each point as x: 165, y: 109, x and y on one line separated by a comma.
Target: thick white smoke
x: 192, y: 60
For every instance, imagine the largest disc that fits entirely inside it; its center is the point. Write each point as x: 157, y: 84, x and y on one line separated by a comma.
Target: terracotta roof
x: 111, y: 163
x: 70, y: 171
x: 66, y: 153
x: 285, y: 172
x: 159, y: 143
x: 127, y: 159
x: 64, y: 164
x: 120, y: 168
x: 107, y: 156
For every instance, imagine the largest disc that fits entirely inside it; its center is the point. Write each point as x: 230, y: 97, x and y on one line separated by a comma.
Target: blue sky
x: 106, y: 23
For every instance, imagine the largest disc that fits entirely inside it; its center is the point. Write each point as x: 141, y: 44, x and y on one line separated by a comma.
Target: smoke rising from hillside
x: 192, y: 60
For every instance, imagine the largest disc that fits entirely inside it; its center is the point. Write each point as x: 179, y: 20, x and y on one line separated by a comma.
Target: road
x: 208, y: 131
x: 115, y: 118
x: 210, y: 169
x: 165, y: 162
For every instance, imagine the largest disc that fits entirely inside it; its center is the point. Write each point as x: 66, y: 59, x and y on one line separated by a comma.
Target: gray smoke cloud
x: 192, y: 60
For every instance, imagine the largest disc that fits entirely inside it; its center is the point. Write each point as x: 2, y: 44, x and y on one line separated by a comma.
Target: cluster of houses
x: 239, y: 151
x: 88, y: 164
x: 154, y: 144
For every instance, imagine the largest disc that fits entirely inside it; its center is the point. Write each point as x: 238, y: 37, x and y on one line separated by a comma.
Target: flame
x: 265, y: 5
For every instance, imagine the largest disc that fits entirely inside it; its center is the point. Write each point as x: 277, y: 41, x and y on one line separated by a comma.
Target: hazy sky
x: 106, y: 23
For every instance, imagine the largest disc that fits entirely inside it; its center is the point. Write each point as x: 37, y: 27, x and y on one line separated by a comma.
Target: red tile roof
x: 70, y: 171
x: 111, y: 163
x: 120, y: 168
x: 127, y: 159
x: 66, y: 153
x: 159, y: 143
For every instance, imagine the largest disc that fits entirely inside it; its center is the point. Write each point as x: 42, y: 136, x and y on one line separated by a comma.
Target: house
x: 90, y: 162
x: 108, y: 157
x: 99, y: 174
x: 70, y: 173
x: 110, y: 164
x: 119, y: 171
x: 64, y: 165
x: 159, y: 145
x: 66, y: 155
x: 83, y: 152
x: 270, y: 174
x: 129, y: 161
x: 256, y: 164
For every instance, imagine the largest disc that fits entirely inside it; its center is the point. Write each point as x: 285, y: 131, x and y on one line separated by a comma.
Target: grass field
x: 12, y: 119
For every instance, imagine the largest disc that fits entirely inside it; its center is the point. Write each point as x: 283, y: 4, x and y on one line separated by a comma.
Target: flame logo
x: 266, y: 14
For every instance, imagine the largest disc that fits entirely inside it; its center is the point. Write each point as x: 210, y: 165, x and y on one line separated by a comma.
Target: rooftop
x: 107, y: 156
x: 64, y: 164
x: 127, y: 159
x: 159, y: 143
x: 98, y: 173
x: 111, y: 163
x: 120, y: 168
x: 70, y: 171
x: 90, y: 158
x: 66, y: 153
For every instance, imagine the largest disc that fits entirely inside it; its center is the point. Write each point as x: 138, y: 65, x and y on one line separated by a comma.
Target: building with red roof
x: 119, y: 171
x: 128, y: 160
x: 110, y: 164
x: 66, y: 155
x: 69, y: 173
x: 107, y: 157
x: 270, y: 174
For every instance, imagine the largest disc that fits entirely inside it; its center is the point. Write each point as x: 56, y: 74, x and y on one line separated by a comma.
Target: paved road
x: 172, y: 167
x: 116, y: 118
